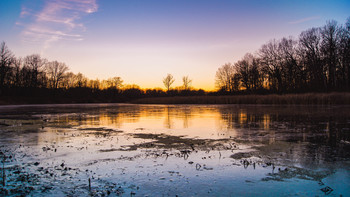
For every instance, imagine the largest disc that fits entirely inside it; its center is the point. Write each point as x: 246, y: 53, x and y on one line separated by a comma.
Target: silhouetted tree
x: 236, y: 82
x: 6, y: 60
x: 55, y: 72
x: 155, y: 92
x: 270, y: 61
x: 242, y: 68
x: 310, y: 57
x: 94, y: 84
x: 17, y: 79
x: 69, y: 80
x: 81, y: 80
x: 291, y: 71
x: 344, y: 56
x: 34, y: 63
x: 115, y: 83
x: 168, y: 81
x: 329, y: 45
x: 224, y: 78
x: 186, y: 82
x: 249, y: 73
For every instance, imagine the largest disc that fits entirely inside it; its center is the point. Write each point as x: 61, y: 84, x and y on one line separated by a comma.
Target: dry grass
x: 273, y: 99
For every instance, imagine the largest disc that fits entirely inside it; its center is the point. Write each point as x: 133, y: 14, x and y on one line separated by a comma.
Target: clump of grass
x: 273, y: 99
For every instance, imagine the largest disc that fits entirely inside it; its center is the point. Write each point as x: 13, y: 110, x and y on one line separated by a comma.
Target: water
x: 169, y: 150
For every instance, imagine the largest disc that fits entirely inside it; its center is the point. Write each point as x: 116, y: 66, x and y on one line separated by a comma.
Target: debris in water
x: 198, y: 166
x: 327, y: 190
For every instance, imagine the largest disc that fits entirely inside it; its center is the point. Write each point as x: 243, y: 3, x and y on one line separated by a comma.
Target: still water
x: 174, y: 150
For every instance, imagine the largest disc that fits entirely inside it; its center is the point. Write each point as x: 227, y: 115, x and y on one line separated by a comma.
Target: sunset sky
x: 143, y: 40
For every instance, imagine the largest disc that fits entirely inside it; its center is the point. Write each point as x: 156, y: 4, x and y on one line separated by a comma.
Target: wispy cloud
x: 57, y: 20
x: 304, y: 20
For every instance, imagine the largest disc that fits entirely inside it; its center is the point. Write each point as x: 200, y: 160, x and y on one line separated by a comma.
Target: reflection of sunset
x: 131, y: 142
x: 272, y: 138
x: 242, y: 117
x: 186, y: 120
x: 266, y: 121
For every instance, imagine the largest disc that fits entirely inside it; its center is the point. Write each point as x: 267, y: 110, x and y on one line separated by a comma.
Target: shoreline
x: 272, y: 99
x: 334, y: 98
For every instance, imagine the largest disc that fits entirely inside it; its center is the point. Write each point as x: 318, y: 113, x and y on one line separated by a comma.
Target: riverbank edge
x: 272, y: 99
x: 335, y: 98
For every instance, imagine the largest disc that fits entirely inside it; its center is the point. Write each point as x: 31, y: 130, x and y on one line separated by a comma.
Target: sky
x: 142, y: 41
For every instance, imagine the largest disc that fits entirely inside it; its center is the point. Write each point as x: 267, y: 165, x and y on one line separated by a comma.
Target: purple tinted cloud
x: 57, y: 20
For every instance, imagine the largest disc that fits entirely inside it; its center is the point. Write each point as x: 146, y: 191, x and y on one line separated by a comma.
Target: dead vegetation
x: 273, y: 99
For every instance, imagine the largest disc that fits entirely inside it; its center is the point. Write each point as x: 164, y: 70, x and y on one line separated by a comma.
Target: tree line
x: 318, y: 61
x: 35, y: 79
x: 34, y: 71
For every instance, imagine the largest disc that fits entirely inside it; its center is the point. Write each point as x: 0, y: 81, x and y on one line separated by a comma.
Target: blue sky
x: 143, y: 40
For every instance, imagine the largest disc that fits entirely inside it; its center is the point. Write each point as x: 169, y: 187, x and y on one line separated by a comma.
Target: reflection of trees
x: 168, y: 118
x: 92, y: 115
x: 236, y: 118
x: 118, y: 115
x: 303, y: 134
x: 309, y: 134
x: 186, y: 117
x: 171, y: 113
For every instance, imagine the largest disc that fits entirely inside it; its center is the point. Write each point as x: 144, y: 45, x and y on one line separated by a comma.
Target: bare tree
x: 243, y: 68
x: 292, y: 75
x: 115, y: 83
x: 17, y: 79
x: 6, y: 59
x: 249, y: 72
x: 34, y: 63
x: 55, y: 72
x: 224, y: 77
x: 236, y: 82
x: 94, y: 84
x: 168, y: 81
x: 310, y: 57
x: 186, y: 82
x: 270, y: 60
x: 81, y: 80
x: 344, y: 56
x: 69, y: 80
x: 329, y: 45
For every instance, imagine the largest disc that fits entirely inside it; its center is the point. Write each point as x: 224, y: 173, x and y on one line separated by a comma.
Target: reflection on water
x: 143, y: 149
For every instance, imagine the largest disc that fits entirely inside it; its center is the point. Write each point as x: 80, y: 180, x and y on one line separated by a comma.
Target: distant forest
x: 318, y: 61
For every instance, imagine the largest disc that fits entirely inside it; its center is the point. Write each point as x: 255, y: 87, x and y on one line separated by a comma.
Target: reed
x: 273, y: 99
x: 3, y: 172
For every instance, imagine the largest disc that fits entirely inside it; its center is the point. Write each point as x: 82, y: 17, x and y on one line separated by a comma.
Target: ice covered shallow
x: 169, y: 150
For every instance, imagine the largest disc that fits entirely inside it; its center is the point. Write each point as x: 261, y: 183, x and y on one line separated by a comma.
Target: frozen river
x: 169, y: 150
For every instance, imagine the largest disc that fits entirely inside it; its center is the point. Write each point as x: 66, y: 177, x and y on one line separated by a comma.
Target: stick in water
x: 89, y: 184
